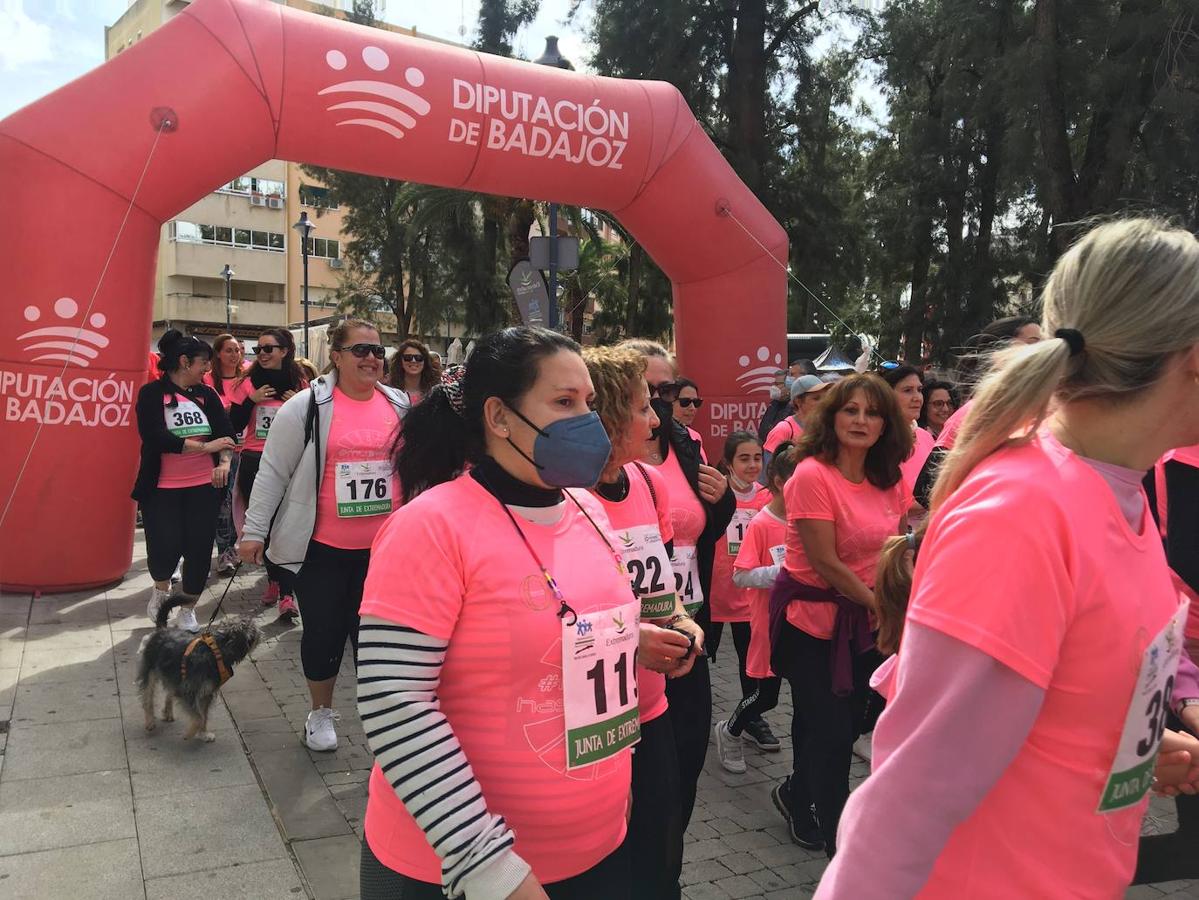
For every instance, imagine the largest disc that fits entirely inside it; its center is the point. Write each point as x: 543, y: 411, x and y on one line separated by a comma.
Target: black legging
x: 247, y: 471
x: 180, y: 523
x: 741, y: 635
x: 655, y: 838
x: 690, y: 714
x: 824, y: 726
x: 1173, y: 856
x: 763, y: 698
x: 329, y: 592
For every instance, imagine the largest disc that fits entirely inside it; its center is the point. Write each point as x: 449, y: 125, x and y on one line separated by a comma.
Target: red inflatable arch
x: 228, y: 84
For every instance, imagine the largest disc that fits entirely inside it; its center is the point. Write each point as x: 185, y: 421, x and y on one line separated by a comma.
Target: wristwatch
x: 1189, y: 701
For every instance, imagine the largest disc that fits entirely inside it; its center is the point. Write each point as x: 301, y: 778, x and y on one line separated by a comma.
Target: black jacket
x: 718, y: 515
x: 157, y: 440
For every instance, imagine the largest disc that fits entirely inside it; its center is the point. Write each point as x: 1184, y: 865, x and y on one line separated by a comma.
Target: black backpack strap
x: 311, y: 433
x: 653, y: 495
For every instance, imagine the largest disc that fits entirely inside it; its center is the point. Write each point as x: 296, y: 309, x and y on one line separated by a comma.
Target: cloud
x: 23, y: 42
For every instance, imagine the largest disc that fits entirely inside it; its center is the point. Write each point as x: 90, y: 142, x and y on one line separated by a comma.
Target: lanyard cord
x: 564, y: 608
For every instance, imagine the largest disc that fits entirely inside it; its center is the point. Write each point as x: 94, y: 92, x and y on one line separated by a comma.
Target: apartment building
x: 246, y: 224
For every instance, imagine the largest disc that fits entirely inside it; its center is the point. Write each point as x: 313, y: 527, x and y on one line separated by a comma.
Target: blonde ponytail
x: 1131, y: 290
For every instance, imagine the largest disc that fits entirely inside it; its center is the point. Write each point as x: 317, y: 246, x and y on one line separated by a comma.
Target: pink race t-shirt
x: 863, y: 517
x: 451, y: 565
x: 261, y: 416
x: 1032, y: 562
x: 764, y: 545
x: 911, y: 467
x: 729, y: 603
x: 687, y: 516
x: 640, y: 509
x: 185, y: 419
x: 786, y: 430
x: 227, y: 390
x: 349, y: 510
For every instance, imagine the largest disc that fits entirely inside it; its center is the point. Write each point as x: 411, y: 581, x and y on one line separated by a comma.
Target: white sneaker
x: 227, y: 563
x: 187, y: 619
x: 863, y: 747
x: 319, y: 733
x: 157, y: 598
x: 177, y: 576
x: 729, y: 749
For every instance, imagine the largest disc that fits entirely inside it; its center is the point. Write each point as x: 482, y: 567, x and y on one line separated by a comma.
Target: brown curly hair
x: 614, y: 373
x: 429, y: 375
x: 894, y: 445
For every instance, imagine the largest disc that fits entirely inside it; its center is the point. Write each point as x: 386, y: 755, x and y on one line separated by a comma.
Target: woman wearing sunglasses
x: 327, y: 471
x: 274, y: 378
x: 701, y: 507
x: 687, y: 404
x: 412, y: 370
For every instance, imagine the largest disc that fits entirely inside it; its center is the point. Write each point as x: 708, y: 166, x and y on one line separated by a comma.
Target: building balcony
x: 206, y: 260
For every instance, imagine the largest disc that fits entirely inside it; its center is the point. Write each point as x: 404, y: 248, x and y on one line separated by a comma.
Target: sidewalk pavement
x: 92, y: 806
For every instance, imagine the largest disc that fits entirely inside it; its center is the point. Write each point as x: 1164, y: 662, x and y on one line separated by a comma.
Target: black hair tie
x: 1073, y: 338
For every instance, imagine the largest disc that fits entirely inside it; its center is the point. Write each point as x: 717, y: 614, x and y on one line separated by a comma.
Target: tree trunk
x: 633, y: 303
x: 747, y: 93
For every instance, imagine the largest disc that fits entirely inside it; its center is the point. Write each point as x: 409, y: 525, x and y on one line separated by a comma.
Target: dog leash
x: 216, y: 612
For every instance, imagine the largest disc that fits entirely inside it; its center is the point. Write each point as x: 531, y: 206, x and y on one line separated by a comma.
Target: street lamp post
x: 227, y: 273
x: 305, y: 229
x: 553, y: 57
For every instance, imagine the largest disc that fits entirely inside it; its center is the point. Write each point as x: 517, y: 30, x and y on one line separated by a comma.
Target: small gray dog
x: 191, y: 667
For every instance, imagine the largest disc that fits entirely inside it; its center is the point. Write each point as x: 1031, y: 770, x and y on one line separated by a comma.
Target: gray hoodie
x: 289, y: 477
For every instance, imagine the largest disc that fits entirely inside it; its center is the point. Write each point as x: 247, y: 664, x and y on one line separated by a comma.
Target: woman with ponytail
x: 1043, y: 636
x: 187, y: 443
x: 498, y: 642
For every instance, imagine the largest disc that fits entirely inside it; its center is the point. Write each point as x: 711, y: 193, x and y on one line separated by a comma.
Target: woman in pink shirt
x: 497, y: 662
x: 1068, y: 624
x: 274, y: 378
x: 701, y: 506
x: 845, y: 498
x: 324, y: 488
x: 637, y: 501
x: 908, y: 385
x: 186, y: 447
x: 228, y: 361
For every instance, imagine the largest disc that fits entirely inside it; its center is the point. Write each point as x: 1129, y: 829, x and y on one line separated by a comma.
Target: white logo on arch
x: 757, y: 380
x: 70, y: 343
x: 396, y: 106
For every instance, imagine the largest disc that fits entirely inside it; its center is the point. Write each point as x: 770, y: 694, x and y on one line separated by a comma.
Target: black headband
x: 1073, y: 338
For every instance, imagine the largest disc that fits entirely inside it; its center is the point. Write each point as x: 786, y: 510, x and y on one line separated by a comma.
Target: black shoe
x: 803, y: 829
x: 758, y: 733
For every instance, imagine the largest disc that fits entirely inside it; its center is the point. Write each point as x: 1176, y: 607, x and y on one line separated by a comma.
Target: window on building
x: 247, y: 184
x: 311, y: 195
x: 225, y: 236
x: 325, y: 249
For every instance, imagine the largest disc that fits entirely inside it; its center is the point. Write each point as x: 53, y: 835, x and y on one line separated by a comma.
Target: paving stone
x: 741, y: 863
x: 739, y: 886
x: 66, y: 748
x: 273, y: 880
x: 67, y: 811
x: 43, y: 704
x: 331, y: 865
x: 221, y: 825
x: 299, y: 795
x: 102, y: 871
x: 704, y: 870
x: 49, y: 666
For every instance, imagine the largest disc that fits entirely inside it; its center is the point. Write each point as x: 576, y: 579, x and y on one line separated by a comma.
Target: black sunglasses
x: 412, y: 357
x: 266, y: 348
x: 686, y: 402
x: 667, y: 390
x: 362, y: 350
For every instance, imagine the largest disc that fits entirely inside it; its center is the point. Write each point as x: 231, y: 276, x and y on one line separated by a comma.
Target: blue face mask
x: 569, y: 452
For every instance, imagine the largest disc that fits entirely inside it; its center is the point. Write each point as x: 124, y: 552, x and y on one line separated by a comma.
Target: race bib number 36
x: 1131, y: 774
x: 599, y: 684
x: 363, y: 488
x: 263, y: 417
